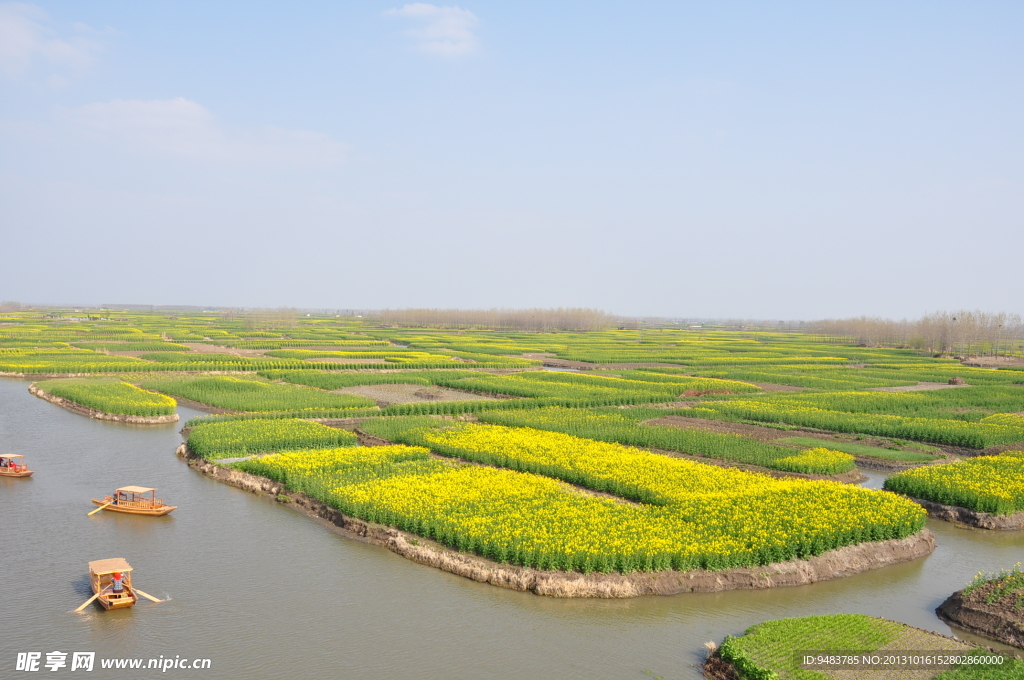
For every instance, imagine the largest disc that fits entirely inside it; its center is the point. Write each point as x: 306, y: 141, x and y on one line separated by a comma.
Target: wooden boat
x: 13, y: 466
x: 135, y: 500
x: 101, y: 576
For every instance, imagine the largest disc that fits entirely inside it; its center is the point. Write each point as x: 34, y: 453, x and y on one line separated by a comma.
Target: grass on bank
x: 862, y: 449
x: 773, y: 650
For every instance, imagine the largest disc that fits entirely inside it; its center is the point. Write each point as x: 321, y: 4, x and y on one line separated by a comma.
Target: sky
x: 784, y: 160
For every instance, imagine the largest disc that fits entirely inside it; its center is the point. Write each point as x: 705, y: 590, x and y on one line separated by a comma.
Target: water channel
x: 265, y: 592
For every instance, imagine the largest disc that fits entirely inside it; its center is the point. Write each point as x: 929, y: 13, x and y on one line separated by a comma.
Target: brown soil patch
x: 831, y: 565
x: 401, y: 393
x: 919, y: 387
x: 993, y: 362
x: 1000, y: 620
x: 550, y: 360
x: 206, y: 348
x: 758, y: 432
x: 716, y: 668
x: 774, y: 387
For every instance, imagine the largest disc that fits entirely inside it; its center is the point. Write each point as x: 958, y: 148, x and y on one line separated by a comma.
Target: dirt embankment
x: 75, y: 407
x: 992, y: 362
x: 402, y: 393
x: 972, y: 518
x: 999, y: 620
x: 831, y: 565
x: 919, y: 387
x: 553, y: 362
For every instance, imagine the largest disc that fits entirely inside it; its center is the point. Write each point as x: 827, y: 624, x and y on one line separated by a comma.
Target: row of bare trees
x: 963, y: 332
x: 563, y: 319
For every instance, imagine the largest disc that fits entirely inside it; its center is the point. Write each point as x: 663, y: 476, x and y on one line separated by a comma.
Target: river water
x: 265, y: 592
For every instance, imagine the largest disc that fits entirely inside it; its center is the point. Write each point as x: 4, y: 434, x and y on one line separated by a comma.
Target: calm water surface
x: 267, y: 593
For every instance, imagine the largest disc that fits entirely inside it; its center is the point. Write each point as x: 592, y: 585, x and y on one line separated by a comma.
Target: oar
x: 100, y: 508
x: 87, y: 603
x: 146, y: 595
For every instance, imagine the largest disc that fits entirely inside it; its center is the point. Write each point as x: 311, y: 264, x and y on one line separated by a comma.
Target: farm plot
x: 247, y: 437
x: 110, y: 396
x: 239, y: 394
x: 719, y: 519
x: 623, y: 426
x: 775, y: 650
x: 992, y: 484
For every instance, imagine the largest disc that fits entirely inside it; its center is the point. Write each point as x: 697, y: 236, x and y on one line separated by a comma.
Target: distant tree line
x: 561, y: 319
x: 960, y: 333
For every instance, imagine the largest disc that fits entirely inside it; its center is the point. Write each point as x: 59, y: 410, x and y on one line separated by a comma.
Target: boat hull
x: 124, y: 602
x: 24, y: 473
x: 152, y: 512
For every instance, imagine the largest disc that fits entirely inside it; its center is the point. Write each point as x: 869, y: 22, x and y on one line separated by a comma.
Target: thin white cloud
x: 446, y: 31
x: 182, y: 128
x: 25, y: 41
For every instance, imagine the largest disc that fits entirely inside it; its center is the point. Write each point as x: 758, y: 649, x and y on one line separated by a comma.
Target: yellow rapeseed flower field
x: 694, y: 515
x: 993, y: 484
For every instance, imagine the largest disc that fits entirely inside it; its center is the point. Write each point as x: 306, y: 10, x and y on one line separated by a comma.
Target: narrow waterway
x: 265, y: 592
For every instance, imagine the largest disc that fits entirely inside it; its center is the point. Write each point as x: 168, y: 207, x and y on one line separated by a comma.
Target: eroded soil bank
x: 1000, y: 620
x: 75, y: 407
x: 831, y: 565
x: 972, y: 518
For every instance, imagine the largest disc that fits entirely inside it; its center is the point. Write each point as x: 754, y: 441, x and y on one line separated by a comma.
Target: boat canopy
x: 10, y: 455
x: 100, y: 567
x: 135, y: 489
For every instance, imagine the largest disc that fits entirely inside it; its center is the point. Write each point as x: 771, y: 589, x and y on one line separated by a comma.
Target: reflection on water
x: 263, y: 591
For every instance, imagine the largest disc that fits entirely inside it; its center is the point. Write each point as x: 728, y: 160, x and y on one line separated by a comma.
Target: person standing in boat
x: 117, y: 583
x: 3, y: 462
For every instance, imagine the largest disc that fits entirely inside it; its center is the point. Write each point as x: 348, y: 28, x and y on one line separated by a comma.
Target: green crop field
x: 622, y: 426
x: 239, y: 394
x: 774, y: 650
x: 248, y: 437
x: 110, y: 396
x: 861, y: 449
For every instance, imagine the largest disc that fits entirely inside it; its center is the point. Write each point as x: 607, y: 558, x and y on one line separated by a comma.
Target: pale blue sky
x: 769, y: 160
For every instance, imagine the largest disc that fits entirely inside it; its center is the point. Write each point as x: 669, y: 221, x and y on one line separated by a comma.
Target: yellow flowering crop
x: 701, y: 516
x: 993, y: 484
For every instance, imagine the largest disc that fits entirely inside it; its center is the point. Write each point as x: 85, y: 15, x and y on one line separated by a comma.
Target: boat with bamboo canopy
x: 135, y: 500
x: 111, y: 582
x: 12, y: 465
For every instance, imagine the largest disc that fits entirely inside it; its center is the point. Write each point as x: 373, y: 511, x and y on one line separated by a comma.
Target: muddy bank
x: 997, y: 621
x: 831, y: 565
x: 75, y: 407
x: 717, y: 668
x: 971, y: 518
